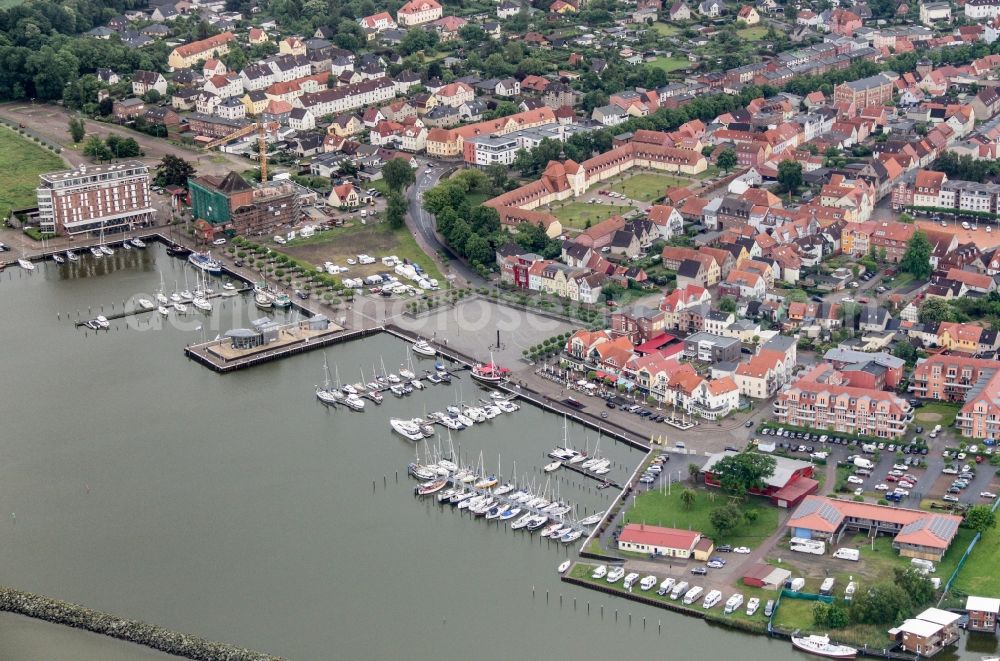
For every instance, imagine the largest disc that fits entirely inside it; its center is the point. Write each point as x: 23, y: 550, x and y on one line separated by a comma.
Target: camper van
x: 826, y: 587
x: 678, y: 590
x: 666, y: 586
x: 922, y: 566
x: 813, y: 546
x: 692, y: 595
x: 847, y: 554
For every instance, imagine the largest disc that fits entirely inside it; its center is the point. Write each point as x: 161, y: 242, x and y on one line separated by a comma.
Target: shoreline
x: 132, y: 631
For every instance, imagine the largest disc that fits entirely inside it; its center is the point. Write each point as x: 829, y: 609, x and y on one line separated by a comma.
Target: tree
x: 395, y: 212
x: 726, y: 160
x: 173, y: 171
x: 917, y: 258
x: 790, y: 176
x: 151, y: 96
x: 884, y: 603
x: 478, y: 250
x: 96, y: 150
x: 727, y: 304
x: 612, y: 290
x: 935, y: 309
x: 980, y: 518
x: 741, y: 472
x: 687, y: 499
x: 398, y: 174
x: 123, y: 147
x: 915, y: 584
x: 693, y: 471
x: 725, y: 518
x: 77, y: 129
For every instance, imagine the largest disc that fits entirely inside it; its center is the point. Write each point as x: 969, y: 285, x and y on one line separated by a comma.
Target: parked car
x: 700, y: 571
x: 742, y: 549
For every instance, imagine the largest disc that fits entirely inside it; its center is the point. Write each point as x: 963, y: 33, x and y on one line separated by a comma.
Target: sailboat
x: 104, y: 247
x: 186, y: 294
x: 325, y: 394
x: 26, y: 264
x: 72, y: 256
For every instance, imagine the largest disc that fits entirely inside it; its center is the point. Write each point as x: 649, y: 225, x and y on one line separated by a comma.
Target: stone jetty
x: 133, y: 631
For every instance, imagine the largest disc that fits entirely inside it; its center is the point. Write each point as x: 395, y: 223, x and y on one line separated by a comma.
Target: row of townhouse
x: 348, y: 98
x: 821, y: 400
x: 664, y: 378
x: 529, y: 271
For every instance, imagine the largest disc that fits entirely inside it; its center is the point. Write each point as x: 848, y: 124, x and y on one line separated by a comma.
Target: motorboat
x: 423, y: 348
x: 96, y: 252
x: 202, y: 304
x: 427, y: 430
x: 163, y: 310
x: 733, y: 603
x: 180, y: 307
x: 102, y: 321
x: 145, y: 304
x: 397, y: 390
x: 415, y: 383
x: 491, y: 411
x: 72, y: 256
x: 428, y: 488
x: 138, y: 243
x: 407, y: 374
x: 555, y: 465
x: 354, y: 402
x: 579, y: 458
x: 374, y: 395
x: 434, y: 378
x: 564, y: 566
x: 475, y: 414
x: 91, y: 324
x: 58, y: 259
x: 466, y: 422
x: 26, y: 264
x: 753, y: 605
x: 282, y: 301
x: 229, y: 286
x: 107, y: 250
x: 599, y: 572
x: 392, y: 378
x: 452, y: 467
x: 460, y: 496
x: 821, y: 646
x: 126, y: 245
x: 507, y: 406
x: 175, y: 297
x: 496, y: 394
x: 349, y: 389
x: 204, y: 261
x: 407, y: 388
x: 263, y: 300
x: 647, y: 583
x: 161, y: 298
x: 451, y: 423
x: 175, y: 250
x: 446, y: 494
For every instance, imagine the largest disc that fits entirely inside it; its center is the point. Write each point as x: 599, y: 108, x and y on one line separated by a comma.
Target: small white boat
x: 328, y: 397
x: 186, y: 295
x: 571, y: 536
x: 145, y: 304
x: 564, y: 566
x: 592, y: 519
x: 547, y: 532
x: 407, y: 429
x: 127, y: 245
x: 72, y: 256
x: 428, y: 488
x: 821, y: 646
x: 161, y: 298
x: 175, y: 297
x: 96, y: 252
x: 407, y: 374
x: 138, y: 243
x: 416, y: 383
x: 102, y: 321
x: 58, y: 259
x: 555, y: 465
x: 107, y: 250
x: 163, y: 310
x: 229, y: 286
x: 392, y: 378
x: 180, y: 307
x: 26, y: 264
x: 423, y: 348
x: 354, y: 402
x: 202, y: 304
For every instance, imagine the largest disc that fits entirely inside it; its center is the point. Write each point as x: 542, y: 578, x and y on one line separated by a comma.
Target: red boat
x: 428, y: 488
x: 489, y: 373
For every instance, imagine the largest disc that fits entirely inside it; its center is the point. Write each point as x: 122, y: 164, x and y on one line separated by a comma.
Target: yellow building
x: 187, y: 55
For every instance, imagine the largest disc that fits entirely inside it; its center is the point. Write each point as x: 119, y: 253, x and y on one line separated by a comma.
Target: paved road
x: 421, y: 223
x: 50, y: 122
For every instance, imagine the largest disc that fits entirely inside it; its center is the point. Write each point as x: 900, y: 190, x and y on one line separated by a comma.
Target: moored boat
x: 489, y: 373
x: 428, y: 488
x: 555, y: 465
x: 564, y: 566
x: 58, y: 259
x: 72, y: 256
x: 423, y: 348
x: 204, y: 261
x: 145, y: 304
x: 26, y: 264
x: 821, y: 646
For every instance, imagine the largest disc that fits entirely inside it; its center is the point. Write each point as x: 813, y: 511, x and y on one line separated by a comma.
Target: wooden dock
x: 141, y: 311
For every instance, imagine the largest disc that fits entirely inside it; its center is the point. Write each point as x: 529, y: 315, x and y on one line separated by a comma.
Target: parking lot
x: 911, y: 475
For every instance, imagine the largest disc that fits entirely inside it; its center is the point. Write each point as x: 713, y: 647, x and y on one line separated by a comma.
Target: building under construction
x: 232, y: 205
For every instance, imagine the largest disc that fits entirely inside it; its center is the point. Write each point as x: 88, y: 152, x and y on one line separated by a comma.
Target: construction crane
x: 257, y: 127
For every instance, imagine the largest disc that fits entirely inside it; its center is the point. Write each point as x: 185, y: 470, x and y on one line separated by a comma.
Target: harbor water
x: 238, y: 508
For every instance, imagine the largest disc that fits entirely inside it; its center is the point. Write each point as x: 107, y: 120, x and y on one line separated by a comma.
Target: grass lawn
x: 21, y: 161
x: 647, y: 187
x: 379, y: 240
x: 797, y: 614
x: 656, y: 508
x: 752, y: 33
x: 476, y: 199
x: 576, y: 214
x: 938, y: 413
x: 670, y: 64
x: 979, y: 575
x: 710, y: 171
x: 663, y: 29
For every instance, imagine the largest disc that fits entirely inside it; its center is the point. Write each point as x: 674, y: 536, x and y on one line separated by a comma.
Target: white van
x: 921, y: 565
x: 847, y: 554
x: 861, y: 462
x: 279, y: 240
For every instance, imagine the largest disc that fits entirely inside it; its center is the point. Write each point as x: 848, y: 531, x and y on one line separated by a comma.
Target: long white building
x: 114, y: 197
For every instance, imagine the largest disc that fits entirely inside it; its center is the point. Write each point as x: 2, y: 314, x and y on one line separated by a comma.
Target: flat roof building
x: 113, y: 197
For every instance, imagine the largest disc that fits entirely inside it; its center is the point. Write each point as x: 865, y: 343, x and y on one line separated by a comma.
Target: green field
x: 665, y: 29
x: 21, y: 161
x: 752, y: 33
x: 576, y: 214
x: 656, y: 508
x: 937, y: 413
x: 648, y: 186
x: 669, y: 64
x: 796, y: 614
x: 979, y: 575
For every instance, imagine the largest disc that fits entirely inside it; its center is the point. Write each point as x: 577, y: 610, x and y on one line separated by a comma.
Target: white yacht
x: 102, y: 321
x: 202, y: 304
x: 354, y: 402
x: 96, y: 252
x: 145, y: 304
x: 58, y: 259
x: 26, y: 264
x: 72, y: 256
x: 423, y: 348
x: 107, y: 250
x: 163, y: 310
x: 180, y: 307
x: 138, y: 243
x: 821, y: 646
x: 407, y: 429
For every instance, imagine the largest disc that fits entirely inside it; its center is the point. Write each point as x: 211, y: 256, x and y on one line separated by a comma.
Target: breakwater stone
x: 133, y: 631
